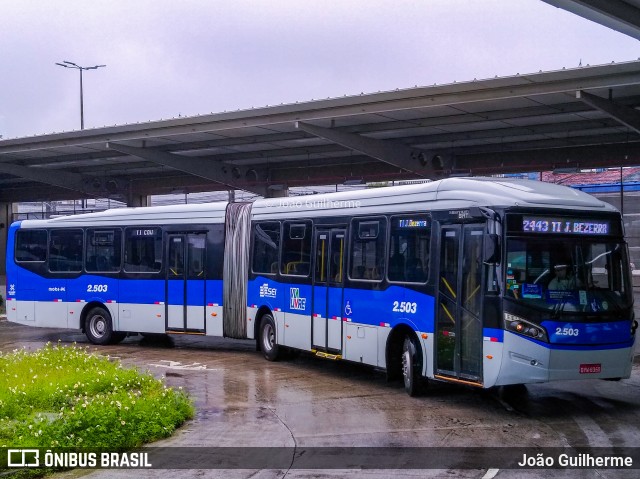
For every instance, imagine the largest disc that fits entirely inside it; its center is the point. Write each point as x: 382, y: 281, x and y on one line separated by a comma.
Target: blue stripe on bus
x: 592, y: 347
x: 392, y: 306
x: 587, y: 333
x: 580, y: 347
x: 89, y: 287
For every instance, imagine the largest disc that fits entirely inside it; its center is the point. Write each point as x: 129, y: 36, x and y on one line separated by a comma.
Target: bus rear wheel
x: 411, y: 367
x: 268, y: 344
x: 99, y: 328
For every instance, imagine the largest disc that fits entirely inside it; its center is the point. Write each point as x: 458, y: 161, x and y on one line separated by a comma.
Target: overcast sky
x: 167, y: 58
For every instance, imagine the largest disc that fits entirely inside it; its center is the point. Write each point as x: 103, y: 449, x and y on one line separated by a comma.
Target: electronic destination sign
x: 572, y: 226
x: 413, y: 223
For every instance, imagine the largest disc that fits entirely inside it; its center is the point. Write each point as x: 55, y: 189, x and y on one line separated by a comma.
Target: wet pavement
x: 243, y: 400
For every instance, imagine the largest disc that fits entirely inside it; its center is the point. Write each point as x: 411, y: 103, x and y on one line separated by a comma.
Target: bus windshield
x: 568, y: 275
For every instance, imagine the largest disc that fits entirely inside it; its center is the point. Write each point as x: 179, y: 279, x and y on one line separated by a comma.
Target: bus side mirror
x: 492, y: 249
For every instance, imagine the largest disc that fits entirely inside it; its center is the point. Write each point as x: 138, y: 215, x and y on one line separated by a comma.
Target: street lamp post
x: 67, y: 64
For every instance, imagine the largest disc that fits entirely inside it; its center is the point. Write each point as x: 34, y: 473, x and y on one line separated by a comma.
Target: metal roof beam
x: 618, y: 15
x: 420, y: 162
x: 535, y: 159
x: 234, y: 177
x: 62, y: 179
x: 624, y: 114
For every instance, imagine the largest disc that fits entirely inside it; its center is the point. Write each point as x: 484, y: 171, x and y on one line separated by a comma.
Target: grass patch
x: 65, y: 396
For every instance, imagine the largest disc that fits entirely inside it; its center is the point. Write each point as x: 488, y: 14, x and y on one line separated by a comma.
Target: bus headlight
x: 522, y: 326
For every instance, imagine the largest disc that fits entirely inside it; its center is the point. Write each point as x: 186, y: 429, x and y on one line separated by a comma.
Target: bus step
x: 322, y: 354
x: 459, y: 381
x: 195, y: 333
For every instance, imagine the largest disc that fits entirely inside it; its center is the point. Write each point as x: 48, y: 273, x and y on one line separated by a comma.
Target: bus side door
x: 459, y: 327
x: 328, y: 282
x: 186, y: 282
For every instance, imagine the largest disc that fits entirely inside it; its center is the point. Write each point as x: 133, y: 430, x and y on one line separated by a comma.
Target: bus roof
x: 147, y: 215
x: 450, y: 193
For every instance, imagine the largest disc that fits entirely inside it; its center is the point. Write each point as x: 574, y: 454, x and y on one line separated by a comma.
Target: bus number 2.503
x: 97, y: 288
x: 404, y: 307
x: 567, y: 331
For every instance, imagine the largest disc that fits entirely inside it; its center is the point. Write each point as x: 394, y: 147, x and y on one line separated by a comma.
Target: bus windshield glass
x: 568, y: 274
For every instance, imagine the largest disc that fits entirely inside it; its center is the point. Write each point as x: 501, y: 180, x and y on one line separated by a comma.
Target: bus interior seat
x: 372, y: 273
x: 397, y: 267
x: 91, y: 263
x: 101, y: 263
x: 414, y: 272
x: 297, y: 267
x: 291, y: 267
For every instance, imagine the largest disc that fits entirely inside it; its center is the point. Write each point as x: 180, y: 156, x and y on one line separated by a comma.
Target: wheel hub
x: 268, y: 337
x: 98, y: 326
x: 406, y: 359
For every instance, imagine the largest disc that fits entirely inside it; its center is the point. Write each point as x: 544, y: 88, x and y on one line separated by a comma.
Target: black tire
x: 99, y: 328
x: 411, y: 367
x: 268, y: 344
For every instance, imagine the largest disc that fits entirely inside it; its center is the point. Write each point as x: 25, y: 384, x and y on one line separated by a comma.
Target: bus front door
x: 328, y: 282
x: 185, y: 287
x: 459, y: 328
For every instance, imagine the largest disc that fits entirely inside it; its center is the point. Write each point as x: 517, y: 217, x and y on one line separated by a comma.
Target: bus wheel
x: 268, y: 338
x: 411, y: 367
x: 98, y: 327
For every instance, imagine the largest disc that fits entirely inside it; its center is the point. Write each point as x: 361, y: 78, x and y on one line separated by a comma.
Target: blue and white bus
x: 484, y: 282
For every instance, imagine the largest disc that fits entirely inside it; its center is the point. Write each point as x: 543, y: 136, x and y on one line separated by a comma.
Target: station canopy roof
x: 560, y: 120
x: 620, y: 15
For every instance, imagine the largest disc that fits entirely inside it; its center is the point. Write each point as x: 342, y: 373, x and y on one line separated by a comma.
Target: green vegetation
x: 64, y: 396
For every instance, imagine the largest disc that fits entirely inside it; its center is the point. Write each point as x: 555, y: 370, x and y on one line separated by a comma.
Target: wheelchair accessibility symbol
x: 347, y: 309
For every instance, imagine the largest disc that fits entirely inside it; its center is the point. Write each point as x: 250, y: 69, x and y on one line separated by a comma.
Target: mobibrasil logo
x: 296, y: 301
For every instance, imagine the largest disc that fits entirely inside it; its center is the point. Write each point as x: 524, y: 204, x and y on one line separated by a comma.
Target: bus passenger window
x: 196, y: 247
x: 266, y: 245
x: 31, y: 245
x: 296, y: 249
x: 409, y: 248
x: 103, y: 250
x: 65, y: 250
x: 143, y: 250
x: 368, y: 249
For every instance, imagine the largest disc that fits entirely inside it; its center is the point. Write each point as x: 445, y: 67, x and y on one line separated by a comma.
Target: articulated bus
x: 478, y: 281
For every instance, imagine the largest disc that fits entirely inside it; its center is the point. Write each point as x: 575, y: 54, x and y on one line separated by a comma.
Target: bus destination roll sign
x: 550, y: 225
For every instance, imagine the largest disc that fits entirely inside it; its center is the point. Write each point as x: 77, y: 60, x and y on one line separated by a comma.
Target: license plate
x: 590, y: 368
